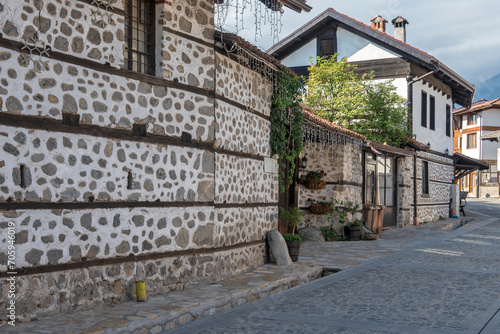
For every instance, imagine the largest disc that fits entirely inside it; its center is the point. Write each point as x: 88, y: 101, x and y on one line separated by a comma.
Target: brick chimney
x: 400, y: 28
x: 378, y: 22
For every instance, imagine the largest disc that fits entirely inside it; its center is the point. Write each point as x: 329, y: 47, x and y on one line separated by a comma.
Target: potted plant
x: 313, y: 180
x: 355, y: 229
x: 293, y: 216
x: 318, y: 207
x: 343, y: 212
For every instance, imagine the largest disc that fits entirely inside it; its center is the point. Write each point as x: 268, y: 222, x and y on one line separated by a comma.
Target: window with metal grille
x: 425, y: 177
x: 140, y: 36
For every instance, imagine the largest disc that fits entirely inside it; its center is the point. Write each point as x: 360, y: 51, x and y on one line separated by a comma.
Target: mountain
x: 489, y: 89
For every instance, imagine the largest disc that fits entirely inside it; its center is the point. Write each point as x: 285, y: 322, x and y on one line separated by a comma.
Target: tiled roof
x: 463, y: 91
x: 311, y: 116
x: 233, y: 38
x: 492, y: 135
x: 478, y: 106
x: 417, y: 144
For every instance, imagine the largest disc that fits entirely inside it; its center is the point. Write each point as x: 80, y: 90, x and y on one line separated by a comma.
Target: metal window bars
x: 140, y: 36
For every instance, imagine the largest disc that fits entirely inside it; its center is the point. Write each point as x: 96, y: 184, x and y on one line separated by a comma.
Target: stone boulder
x: 367, y: 234
x: 311, y: 233
x: 278, y: 248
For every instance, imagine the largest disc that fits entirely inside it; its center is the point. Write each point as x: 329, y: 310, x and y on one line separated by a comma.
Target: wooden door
x: 289, y: 198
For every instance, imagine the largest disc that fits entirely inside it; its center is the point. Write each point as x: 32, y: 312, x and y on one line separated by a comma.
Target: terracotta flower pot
x: 315, y: 184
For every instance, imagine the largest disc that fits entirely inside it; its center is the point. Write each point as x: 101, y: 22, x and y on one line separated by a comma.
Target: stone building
x: 134, y: 146
x: 430, y: 87
x: 336, y: 151
x: 366, y: 172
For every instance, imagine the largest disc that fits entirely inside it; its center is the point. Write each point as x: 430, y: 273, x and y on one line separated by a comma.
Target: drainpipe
x: 409, y: 91
x: 415, y: 219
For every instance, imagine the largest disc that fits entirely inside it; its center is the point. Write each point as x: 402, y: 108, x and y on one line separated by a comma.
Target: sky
x: 462, y: 34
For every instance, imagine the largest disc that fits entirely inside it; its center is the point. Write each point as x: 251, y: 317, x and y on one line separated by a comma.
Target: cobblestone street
x: 447, y: 285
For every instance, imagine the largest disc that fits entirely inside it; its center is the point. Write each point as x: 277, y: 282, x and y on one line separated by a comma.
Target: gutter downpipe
x: 409, y: 90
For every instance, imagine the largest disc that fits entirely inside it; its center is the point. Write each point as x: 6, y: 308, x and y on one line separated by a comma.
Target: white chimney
x: 400, y: 28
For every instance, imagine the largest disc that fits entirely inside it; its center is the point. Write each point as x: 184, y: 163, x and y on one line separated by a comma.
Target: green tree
x: 385, y: 115
x: 373, y: 109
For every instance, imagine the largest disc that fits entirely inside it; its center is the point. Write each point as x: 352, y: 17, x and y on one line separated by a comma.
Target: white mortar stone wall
x: 85, y: 288
x: 195, y: 18
x: 241, y: 131
x: 68, y: 168
x: 70, y: 28
x: 189, y: 62
x: 103, y: 99
x: 405, y: 191
x: 242, y: 180
x: 240, y: 84
x: 435, y: 206
x: 61, y: 167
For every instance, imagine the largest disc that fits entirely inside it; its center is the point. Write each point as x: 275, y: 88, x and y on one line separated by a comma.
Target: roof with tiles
x: 495, y: 135
x: 463, y: 90
x: 312, y: 117
x: 230, y: 38
x: 479, y: 106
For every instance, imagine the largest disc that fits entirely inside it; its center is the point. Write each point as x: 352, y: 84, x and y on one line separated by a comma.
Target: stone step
x: 176, y: 308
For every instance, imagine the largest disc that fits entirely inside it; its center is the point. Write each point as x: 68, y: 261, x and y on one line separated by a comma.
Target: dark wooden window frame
x: 472, y: 119
x: 423, y: 109
x: 140, y: 35
x: 448, y: 120
x: 329, y: 36
x: 471, y: 140
x: 432, y: 112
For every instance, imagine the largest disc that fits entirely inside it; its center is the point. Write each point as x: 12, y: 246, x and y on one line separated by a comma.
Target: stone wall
x: 405, y: 191
x: 343, y: 165
x: 434, y: 206
x: 125, y: 176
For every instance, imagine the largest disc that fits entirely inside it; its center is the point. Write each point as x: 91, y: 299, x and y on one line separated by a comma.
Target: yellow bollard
x: 140, y: 289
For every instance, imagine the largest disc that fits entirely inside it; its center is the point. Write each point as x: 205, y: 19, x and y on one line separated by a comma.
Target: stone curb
x: 177, y: 308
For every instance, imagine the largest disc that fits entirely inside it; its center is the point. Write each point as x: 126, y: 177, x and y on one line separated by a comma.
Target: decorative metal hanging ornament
x: 36, y: 49
x: 103, y: 15
x: 264, y: 12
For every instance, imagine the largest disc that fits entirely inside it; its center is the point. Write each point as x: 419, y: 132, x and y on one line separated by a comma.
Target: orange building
x: 470, y: 125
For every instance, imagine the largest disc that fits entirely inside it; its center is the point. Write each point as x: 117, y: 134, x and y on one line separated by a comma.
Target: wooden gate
x: 289, y: 198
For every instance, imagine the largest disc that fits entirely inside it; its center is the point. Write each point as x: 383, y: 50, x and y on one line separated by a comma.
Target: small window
x: 424, y: 109
x: 460, y: 123
x: 471, y: 119
x: 140, y: 36
x: 472, y: 140
x: 425, y: 178
x: 432, y: 113
x: 326, y: 47
x: 448, y: 120
x: 459, y: 142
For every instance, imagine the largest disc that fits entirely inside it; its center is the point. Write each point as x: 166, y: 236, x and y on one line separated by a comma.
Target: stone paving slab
x: 178, y: 308
x: 388, y: 294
